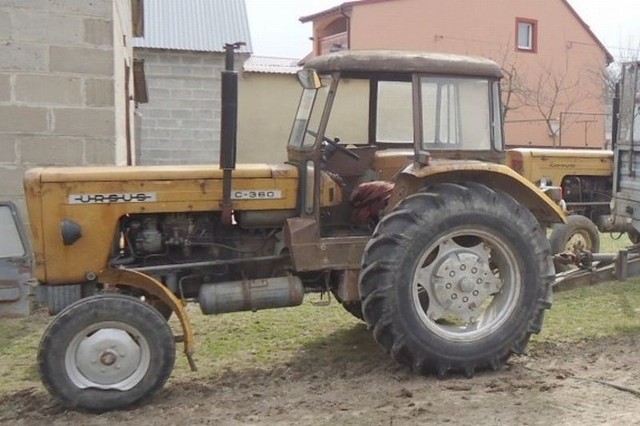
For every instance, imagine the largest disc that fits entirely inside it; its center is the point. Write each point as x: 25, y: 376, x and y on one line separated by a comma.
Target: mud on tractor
x: 446, y: 259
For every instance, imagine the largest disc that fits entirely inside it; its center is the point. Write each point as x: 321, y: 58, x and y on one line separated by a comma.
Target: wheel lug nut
x: 479, y: 281
x: 454, y: 296
x: 465, y: 299
x: 448, y: 285
x: 463, y: 267
x: 474, y: 270
x: 476, y: 292
x: 452, y: 274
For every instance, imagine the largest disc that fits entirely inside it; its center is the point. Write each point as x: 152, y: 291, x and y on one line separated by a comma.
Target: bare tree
x: 552, y: 93
x: 512, y: 83
x: 513, y: 89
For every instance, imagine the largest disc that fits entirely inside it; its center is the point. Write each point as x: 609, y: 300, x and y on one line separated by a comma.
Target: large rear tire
x: 456, y: 278
x: 106, y: 352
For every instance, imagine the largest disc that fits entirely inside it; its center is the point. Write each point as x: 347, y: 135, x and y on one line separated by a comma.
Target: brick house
x: 183, y: 54
x: 552, y: 62
x: 66, y: 86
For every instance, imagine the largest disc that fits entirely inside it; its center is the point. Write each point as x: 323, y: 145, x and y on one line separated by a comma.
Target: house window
x: 526, y: 35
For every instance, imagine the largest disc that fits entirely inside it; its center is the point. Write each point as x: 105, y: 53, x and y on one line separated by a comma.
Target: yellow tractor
x: 445, y: 260
x: 585, y: 178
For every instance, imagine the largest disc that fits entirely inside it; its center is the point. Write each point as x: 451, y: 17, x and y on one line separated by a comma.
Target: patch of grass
x: 19, y: 338
x: 272, y: 337
x: 611, y: 243
x: 607, y: 309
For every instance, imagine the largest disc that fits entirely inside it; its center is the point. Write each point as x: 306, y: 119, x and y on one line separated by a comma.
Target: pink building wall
x: 568, y: 56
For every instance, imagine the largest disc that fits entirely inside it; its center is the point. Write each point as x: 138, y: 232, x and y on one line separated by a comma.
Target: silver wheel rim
x: 466, y: 285
x: 107, y: 355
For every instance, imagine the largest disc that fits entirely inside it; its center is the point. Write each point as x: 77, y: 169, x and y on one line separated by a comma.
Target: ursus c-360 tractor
x: 408, y: 219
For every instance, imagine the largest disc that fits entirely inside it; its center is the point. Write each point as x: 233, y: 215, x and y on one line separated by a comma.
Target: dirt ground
x: 594, y: 382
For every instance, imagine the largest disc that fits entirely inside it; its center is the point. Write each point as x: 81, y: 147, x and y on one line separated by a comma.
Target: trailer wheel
x: 579, y: 233
x: 106, y: 352
x: 456, y: 278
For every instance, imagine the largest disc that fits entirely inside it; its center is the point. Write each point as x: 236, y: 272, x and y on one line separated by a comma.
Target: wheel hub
x: 577, y: 242
x: 107, y: 358
x: 459, y: 281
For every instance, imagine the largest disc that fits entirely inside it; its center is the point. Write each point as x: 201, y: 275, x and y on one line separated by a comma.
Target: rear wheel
x: 106, y: 352
x: 578, y: 234
x: 456, y: 278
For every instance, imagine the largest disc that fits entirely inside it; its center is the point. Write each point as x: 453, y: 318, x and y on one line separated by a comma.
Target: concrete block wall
x: 181, y: 122
x: 56, y: 87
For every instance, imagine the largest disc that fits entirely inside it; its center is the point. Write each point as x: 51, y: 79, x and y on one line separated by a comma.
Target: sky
x: 276, y: 29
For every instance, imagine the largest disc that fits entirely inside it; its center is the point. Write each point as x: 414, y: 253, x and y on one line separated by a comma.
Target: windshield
x: 308, y: 115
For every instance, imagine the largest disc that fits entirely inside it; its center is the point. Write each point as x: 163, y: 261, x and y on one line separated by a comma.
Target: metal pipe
x: 595, y: 203
x: 228, y: 127
x: 177, y: 266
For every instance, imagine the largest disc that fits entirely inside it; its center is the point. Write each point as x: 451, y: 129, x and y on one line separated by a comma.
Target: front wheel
x: 106, y: 352
x: 578, y: 234
x: 456, y: 278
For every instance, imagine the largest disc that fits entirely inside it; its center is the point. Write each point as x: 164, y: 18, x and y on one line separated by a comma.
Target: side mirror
x: 309, y: 79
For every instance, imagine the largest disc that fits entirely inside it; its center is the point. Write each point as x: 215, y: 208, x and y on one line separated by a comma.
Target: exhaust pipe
x: 228, y: 126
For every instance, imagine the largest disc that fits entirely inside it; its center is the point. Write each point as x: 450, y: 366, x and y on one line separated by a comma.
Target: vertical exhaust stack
x: 228, y: 126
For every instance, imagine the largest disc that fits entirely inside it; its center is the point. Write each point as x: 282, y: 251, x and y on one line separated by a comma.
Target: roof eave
x: 344, y: 7
x: 608, y: 55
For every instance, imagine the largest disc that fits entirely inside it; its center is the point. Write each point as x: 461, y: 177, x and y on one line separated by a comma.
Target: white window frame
x: 526, y: 42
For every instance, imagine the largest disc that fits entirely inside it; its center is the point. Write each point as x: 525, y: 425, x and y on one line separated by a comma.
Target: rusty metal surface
x: 348, y: 286
x: 404, y: 61
x: 311, y: 252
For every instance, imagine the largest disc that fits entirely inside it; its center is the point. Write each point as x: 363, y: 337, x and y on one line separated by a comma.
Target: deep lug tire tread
x: 382, y: 270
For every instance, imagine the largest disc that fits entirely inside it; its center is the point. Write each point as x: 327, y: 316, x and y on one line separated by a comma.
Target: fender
x: 495, y: 176
x: 113, y: 277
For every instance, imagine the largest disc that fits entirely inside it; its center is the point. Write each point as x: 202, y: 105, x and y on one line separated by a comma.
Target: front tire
x: 456, y: 278
x: 106, y: 352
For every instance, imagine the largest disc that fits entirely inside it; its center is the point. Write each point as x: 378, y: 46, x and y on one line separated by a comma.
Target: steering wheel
x: 334, y: 143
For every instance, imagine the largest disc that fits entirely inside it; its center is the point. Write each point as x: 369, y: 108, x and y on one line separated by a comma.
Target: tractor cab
x: 365, y: 115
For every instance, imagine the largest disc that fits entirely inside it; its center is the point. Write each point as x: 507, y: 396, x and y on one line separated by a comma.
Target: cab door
x: 15, y: 264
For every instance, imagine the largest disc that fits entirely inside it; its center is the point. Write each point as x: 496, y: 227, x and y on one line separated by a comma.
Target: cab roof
x: 404, y: 61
